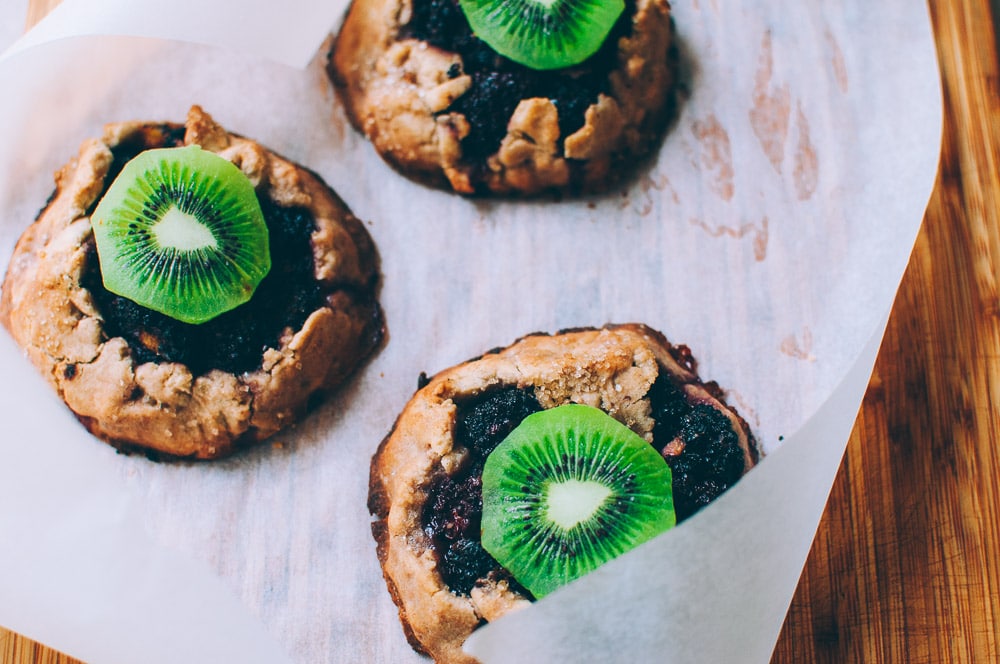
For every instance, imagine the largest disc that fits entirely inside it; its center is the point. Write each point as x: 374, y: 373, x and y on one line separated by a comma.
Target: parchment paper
x: 769, y: 235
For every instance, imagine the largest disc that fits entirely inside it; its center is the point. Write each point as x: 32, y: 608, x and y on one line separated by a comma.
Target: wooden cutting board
x: 906, y: 562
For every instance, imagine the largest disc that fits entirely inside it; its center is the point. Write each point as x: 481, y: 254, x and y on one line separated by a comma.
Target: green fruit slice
x: 543, y: 34
x: 568, y: 490
x: 180, y: 231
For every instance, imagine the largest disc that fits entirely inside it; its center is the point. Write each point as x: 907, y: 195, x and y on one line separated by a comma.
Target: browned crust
x: 611, y: 367
x: 397, y: 93
x: 161, y: 408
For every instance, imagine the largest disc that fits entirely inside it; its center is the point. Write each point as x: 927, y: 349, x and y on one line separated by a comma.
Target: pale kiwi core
x: 573, y: 501
x: 182, y: 231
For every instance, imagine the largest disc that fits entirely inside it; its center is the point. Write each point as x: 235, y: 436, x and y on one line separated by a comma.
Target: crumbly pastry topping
x: 164, y: 407
x: 615, y: 368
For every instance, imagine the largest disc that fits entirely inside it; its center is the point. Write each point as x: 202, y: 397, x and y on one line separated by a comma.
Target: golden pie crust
x: 611, y: 368
x: 397, y: 92
x: 161, y: 407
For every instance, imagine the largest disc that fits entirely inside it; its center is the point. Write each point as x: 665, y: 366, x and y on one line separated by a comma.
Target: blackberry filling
x: 452, y: 520
x: 499, y: 84
x: 710, y: 461
x: 234, y: 341
x: 452, y: 515
x: 485, y: 422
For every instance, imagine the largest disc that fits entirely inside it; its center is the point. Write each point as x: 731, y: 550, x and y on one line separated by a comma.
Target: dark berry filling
x: 234, y: 341
x: 453, y: 513
x: 711, y: 459
x: 711, y: 462
x: 452, y: 518
x: 708, y: 463
x: 499, y: 84
x: 483, y: 424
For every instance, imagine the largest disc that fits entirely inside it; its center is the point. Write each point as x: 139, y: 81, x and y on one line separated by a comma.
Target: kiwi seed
x: 569, y: 489
x: 543, y: 34
x: 180, y: 231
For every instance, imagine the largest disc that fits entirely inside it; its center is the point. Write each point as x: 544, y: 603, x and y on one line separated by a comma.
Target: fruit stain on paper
x: 837, y: 61
x: 800, y: 349
x: 771, y: 119
x: 806, y: 173
x: 758, y: 233
x: 716, y: 155
x: 771, y: 110
x: 647, y: 186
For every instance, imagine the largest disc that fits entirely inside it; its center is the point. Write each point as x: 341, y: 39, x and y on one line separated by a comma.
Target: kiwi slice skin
x: 569, y: 489
x: 180, y: 231
x: 543, y: 34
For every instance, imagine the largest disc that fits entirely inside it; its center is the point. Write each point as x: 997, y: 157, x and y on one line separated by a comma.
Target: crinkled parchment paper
x: 769, y: 235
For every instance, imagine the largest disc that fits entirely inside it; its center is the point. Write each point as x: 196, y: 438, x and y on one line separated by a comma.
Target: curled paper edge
x: 286, y: 32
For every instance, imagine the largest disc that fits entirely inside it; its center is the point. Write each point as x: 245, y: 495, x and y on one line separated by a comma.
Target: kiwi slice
x: 180, y: 231
x: 543, y: 34
x: 569, y: 489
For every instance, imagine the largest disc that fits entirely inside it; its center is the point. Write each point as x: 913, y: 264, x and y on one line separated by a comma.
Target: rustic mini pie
x: 441, y: 104
x: 205, y: 369
x: 478, y: 489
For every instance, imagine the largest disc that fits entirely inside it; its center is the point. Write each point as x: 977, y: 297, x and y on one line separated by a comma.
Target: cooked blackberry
x: 711, y: 462
x: 452, y: 515
x: 442, y: 24
x: 483, y: 423
x: 464, y: 562
x: 455, y: 507
x: 487, y: 104
x: 669, y: 408
x: 452, y: 520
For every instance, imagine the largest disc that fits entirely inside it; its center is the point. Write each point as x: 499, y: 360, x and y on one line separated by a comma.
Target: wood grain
x: 15, y: 649
x: 37, y: 9
x: 905, y: 564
